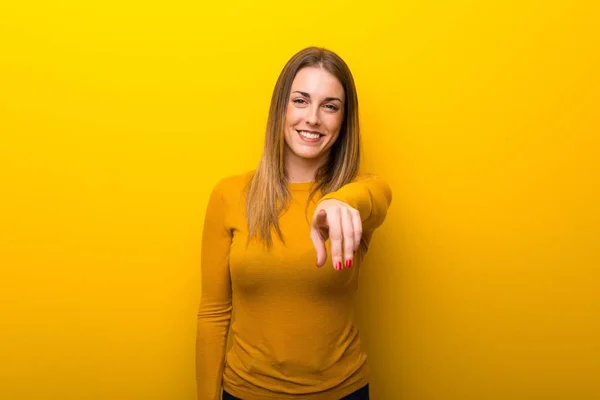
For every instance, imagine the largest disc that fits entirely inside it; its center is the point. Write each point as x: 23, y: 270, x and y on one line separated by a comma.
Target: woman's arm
x: 348, y: 217
x: 371, y: 195
x: 214, y: 313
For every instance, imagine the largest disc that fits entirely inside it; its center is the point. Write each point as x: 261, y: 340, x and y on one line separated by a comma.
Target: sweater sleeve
x: 214, y: 312
x: 371, y: 195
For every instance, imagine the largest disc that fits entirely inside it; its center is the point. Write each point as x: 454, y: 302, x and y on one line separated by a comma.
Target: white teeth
x: 309, y: 135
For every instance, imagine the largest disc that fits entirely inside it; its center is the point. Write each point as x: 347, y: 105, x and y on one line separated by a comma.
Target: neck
x: 300, y: 169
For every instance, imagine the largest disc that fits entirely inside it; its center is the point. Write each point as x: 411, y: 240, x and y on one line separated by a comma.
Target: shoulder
x: 366, y: 176
x: 371, y: 178
x: 232, y: 186
x: 376, y: 184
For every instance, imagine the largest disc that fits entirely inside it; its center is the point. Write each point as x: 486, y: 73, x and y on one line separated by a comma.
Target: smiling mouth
x: 310, y: 135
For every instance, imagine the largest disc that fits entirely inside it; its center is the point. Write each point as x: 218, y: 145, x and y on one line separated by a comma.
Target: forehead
x: 318, y: 83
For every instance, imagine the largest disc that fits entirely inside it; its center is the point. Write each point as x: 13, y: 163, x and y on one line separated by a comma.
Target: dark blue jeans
x: 360, y: 394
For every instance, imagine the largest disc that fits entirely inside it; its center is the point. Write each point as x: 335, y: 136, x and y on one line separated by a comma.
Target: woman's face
x: 314, y: 115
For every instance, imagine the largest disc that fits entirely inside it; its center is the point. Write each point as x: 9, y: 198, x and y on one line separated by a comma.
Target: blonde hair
x: 267, y: 191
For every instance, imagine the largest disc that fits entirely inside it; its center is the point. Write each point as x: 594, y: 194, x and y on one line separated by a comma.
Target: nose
x: 312, y: 115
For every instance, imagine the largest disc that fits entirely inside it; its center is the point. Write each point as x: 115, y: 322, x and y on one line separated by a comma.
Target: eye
x: 332, y: 107
x: 299, y: 101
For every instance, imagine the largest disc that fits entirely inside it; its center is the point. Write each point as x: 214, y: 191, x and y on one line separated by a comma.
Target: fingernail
x: 338, y: 265
x: 348, y: 263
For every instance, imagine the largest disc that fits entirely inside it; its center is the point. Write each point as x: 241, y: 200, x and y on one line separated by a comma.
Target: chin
x: 307, y: 152
x: 308, y: 155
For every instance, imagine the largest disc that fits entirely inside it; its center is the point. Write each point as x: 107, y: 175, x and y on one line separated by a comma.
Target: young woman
x: 282, y: 246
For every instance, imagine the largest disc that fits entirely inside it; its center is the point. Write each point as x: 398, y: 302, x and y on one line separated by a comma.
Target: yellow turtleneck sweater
x: 293, y: 335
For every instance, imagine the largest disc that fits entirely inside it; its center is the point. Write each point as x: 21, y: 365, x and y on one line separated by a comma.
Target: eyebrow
x: 308, y: 95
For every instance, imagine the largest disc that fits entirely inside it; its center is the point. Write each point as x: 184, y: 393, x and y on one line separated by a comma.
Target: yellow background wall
x: 117, y: 117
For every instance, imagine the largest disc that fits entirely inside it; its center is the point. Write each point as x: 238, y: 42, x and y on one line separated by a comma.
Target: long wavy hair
x: 267, y: 192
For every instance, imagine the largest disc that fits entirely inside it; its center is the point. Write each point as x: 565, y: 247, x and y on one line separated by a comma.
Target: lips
x: 310, y: 136
x: 309, y: 133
